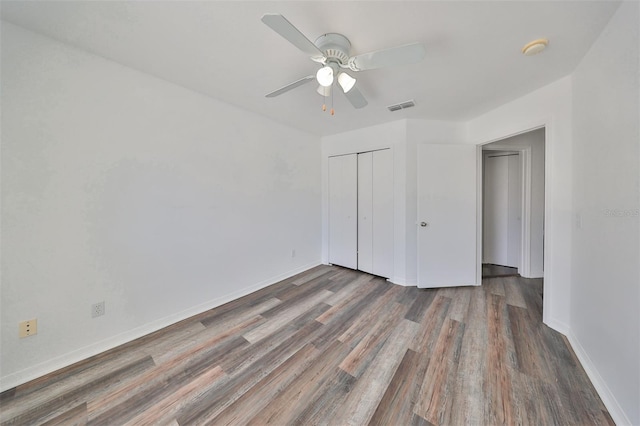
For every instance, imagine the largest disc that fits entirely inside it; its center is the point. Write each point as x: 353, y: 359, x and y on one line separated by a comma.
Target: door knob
x: 423, y: 224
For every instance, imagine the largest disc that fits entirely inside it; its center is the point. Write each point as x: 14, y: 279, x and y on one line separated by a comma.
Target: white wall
x: 123, y: 188
x: 535, y: 141
x: 549, y: 106
x: 605, y: 296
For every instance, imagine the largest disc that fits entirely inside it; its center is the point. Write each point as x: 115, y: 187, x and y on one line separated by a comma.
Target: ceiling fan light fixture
x: 325, y: 76
x: 346, y: 81
x: 324, y: 90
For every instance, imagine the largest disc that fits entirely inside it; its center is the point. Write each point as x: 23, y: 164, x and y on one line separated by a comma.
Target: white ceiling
x: 222, y: 49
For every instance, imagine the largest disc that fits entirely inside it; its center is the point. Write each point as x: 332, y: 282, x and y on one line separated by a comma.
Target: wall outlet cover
x: 28, y: 328
x: 97, y: 309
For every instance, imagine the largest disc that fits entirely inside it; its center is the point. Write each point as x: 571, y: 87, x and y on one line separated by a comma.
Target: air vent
x: 402, y: 105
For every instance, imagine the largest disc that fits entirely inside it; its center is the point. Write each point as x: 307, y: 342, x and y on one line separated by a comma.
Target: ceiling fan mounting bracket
x: 335, y: 47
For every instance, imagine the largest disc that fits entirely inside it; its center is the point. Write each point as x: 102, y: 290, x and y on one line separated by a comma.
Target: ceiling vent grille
x: 401, y: 105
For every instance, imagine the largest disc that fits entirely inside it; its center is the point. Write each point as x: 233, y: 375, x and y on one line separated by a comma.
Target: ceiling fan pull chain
x: 332, y: 111
x: 324, y: 102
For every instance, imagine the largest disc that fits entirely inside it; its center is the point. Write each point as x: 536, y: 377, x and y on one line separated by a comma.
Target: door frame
x: 547, y: 125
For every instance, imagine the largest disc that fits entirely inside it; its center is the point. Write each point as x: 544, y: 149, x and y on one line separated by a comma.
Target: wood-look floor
x: 332, y: 346
x: 490, y: 270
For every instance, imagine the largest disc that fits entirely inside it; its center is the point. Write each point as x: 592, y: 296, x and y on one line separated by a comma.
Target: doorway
x: 513, y: 206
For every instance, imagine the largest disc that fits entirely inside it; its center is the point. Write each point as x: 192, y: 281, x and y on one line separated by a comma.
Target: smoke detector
x: 535, y: 47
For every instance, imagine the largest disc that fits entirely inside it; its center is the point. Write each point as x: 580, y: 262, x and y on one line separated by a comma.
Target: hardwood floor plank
x: 416, y: 420
x: 422, y: 300
x: 585, y: 405
x: 352, y: 290
x: 252, y: 402
x: 286, y: 316
x: 332, y: 346
x: 530, y: 359
x: 165, y: 410
x: 322, y: 404
x: 357, y: 361
x: 407, y: 296
x: 361, y: 403
x: 472, y: 364
x: 435, y: 401
x: 208, y: 337
x: 247, y: 367
x: 133, y: 399
x: 45, y: 406
x: 282, y: 339
x: 501, y: 359
x: 318, y: 271
x: 235, y: 316
x: 361, y: 325
x: 494, y: 286
x: 76, y: 416
x: 431, y: 325
x: 513, y: 292
x: 285, y: 408
x: 338, y: 323
x: 398, y: 402
x: 460, y: 304
x: 292, y: 296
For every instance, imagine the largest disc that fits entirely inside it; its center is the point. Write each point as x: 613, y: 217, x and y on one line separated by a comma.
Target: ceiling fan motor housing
x: 335, y: 47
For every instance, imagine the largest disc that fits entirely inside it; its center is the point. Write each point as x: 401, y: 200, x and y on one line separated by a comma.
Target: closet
x: 502, y: 209
x: 361, y: 211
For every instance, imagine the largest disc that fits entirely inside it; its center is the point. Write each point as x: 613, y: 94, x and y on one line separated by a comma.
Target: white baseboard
x: 556, y: 325
x: 402, y: 281
x: 608, y: 399
x: 39, y: 370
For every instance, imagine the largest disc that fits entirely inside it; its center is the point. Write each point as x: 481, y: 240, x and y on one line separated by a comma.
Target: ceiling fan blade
x: 279, y: 24
x: 355, y: 97
x: 401, y: 55
x: 288, y: 87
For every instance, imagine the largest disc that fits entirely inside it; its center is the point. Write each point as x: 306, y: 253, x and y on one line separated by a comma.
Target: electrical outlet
x: 293, y: 253
x: 28, y: 328
x: 97, y: 309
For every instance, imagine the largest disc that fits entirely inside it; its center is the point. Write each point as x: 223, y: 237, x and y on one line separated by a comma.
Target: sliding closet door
x: 495, y: 232
x: 382, y: 212
x: 343, y: 210
x: 375, y: 212
x: 365, y: 212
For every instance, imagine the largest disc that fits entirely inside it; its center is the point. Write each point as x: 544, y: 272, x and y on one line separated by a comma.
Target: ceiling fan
x: 332, y: 51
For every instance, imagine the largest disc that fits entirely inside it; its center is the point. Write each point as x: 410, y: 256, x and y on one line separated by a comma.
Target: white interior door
x: 343, y: 210
x: 382, y: 212
x: 495, y: 209
x: 447, y: 208
x: 365, y: 212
